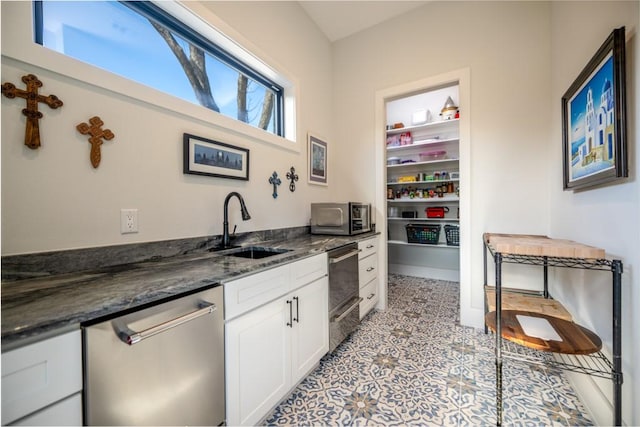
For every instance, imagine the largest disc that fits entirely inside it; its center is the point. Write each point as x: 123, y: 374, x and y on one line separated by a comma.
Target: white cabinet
x: 258, y: 362
x: 46, y: 374
x: 274, y: 343
x: 423, y: 177
x: 368, y: 274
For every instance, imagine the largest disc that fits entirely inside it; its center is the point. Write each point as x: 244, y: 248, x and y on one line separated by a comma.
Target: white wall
x: 506, y: 46
x: 53, y: 199
x: 607, y: 217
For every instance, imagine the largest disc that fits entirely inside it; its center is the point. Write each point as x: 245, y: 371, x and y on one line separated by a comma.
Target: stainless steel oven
x: 340, y: 218
x: 344, y: 299
x: 163, y: 365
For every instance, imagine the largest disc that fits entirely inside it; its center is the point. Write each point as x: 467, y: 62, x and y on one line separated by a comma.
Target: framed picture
x: 213, y: 158
x: 317, y: 160
x: 594, y: 139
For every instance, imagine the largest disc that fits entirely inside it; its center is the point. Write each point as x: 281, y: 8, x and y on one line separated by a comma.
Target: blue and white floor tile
x: 413, y: 364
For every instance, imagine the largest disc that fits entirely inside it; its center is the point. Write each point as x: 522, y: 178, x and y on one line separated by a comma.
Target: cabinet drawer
x: 252, y: 291
x: 369, y: 294
x: 308, y: 270
x: 367, y: 247
x: 40, y: 374
x: 367, y: 269
x: 65, y: 413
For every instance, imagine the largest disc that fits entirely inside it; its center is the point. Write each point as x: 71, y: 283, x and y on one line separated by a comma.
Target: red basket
x: 436, y: 211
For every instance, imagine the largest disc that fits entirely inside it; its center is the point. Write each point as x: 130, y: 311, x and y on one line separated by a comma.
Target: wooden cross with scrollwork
x: 97, y: 133
x: 32, y: 132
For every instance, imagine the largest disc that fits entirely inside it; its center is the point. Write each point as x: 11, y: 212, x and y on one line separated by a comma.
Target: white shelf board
x: 423, y: 219
x: 444, y: 199
x: 435, y: 124
x: 428, y: 162
x: 424, y: 182
x: 422, y: 245
x: 418, y: 144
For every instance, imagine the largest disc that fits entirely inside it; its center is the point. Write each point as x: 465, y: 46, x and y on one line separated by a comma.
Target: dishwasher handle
x: 131, y: 337
x: 345, y: 256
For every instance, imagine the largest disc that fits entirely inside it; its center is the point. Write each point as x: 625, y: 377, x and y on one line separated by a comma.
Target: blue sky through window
x: 111, y: 36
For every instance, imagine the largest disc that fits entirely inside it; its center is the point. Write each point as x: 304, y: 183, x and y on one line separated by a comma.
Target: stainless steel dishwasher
x: 344, y: 289
x: 163, y: 365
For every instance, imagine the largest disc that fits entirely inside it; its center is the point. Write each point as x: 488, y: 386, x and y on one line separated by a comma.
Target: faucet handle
x: 233, y: 233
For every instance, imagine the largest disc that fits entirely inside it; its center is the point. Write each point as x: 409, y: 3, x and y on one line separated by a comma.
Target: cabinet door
x: 310, y: 340
x: 258, y: 362
x: 39, y: 374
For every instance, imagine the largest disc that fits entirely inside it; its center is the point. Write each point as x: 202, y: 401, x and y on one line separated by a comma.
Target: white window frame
x: 18, y: 43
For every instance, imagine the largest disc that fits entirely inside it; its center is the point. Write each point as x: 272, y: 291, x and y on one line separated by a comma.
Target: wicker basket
x: 452, y: 233
x: 427, y: 234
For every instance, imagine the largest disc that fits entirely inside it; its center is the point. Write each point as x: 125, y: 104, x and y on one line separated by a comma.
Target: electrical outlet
x: 128, y: 221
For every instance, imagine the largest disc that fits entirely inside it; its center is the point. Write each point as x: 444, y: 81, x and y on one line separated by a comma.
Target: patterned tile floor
x: 413, y: 364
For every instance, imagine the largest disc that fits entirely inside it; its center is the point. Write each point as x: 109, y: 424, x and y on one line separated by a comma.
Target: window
x: 140, y: 41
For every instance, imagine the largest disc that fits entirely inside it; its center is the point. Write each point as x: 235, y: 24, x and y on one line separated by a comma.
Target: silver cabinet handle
x: 370, y: 246
x: 349, y: 310
x: 297, y: 318
x: 371, y: 296
x: 370, y: 269
x: 345, y: 256
x: 132, y: 337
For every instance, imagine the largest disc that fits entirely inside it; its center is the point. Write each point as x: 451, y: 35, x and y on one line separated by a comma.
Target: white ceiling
x: 339, y: 19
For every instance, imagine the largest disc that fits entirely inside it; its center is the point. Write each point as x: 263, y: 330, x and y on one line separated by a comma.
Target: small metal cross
x: 32, y: 132
x: 293, y: 177
x: 275, y: 181
x: 96, y: 137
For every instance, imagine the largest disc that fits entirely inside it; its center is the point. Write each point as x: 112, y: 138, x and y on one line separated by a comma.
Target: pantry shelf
x: 443, y: 199
x: 422, y: 245
x: 432, y: 182
x: 421, y: 143
x: 424, y: 219
x: 440, y: 124
x: 428, y: 162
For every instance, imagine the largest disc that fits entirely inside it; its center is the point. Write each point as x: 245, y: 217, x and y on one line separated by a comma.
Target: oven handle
x: 131, y: 337
x: 357, y: 302
x: 345, y: 256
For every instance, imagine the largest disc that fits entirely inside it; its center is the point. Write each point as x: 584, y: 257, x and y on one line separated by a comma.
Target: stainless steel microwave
x: 340, y: 218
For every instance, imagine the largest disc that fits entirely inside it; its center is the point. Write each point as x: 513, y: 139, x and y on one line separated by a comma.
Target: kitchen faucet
x: 225, y: 225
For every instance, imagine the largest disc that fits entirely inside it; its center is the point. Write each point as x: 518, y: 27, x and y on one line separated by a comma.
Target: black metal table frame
x: 597, y: 364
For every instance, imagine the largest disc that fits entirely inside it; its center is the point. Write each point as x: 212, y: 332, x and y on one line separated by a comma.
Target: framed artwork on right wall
x: 594, y: 139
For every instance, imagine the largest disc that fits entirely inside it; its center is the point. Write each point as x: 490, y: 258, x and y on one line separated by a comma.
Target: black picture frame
x: 594, y: 137
x: 318, y: 159
x: 207, y: 157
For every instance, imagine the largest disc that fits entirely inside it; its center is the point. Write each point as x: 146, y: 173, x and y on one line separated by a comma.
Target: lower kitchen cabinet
x: 368, y: 274
x: 42, y: 382
x: 269, y: 349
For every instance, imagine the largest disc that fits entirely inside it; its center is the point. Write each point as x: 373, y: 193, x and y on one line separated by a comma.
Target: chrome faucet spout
x: 226, y: 239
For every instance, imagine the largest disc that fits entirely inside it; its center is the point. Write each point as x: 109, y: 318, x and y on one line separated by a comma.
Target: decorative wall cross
x: 293, y: 177
x: 275, y: 181
x: 95, y: 140
x: 32, y: 132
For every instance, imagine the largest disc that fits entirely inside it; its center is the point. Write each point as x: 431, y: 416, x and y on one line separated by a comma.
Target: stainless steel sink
x: 257, y: 252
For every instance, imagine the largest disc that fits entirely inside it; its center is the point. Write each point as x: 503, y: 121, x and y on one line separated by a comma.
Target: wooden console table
x: 513, y: 313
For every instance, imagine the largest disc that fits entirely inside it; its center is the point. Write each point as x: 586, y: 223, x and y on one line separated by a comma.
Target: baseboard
x: 590, y: 390
x: 425, y: 272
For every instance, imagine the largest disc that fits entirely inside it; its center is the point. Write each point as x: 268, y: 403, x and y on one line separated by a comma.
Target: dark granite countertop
x: 37, y: 307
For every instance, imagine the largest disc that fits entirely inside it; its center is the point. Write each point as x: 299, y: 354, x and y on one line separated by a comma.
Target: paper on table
x: 538, y: 327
